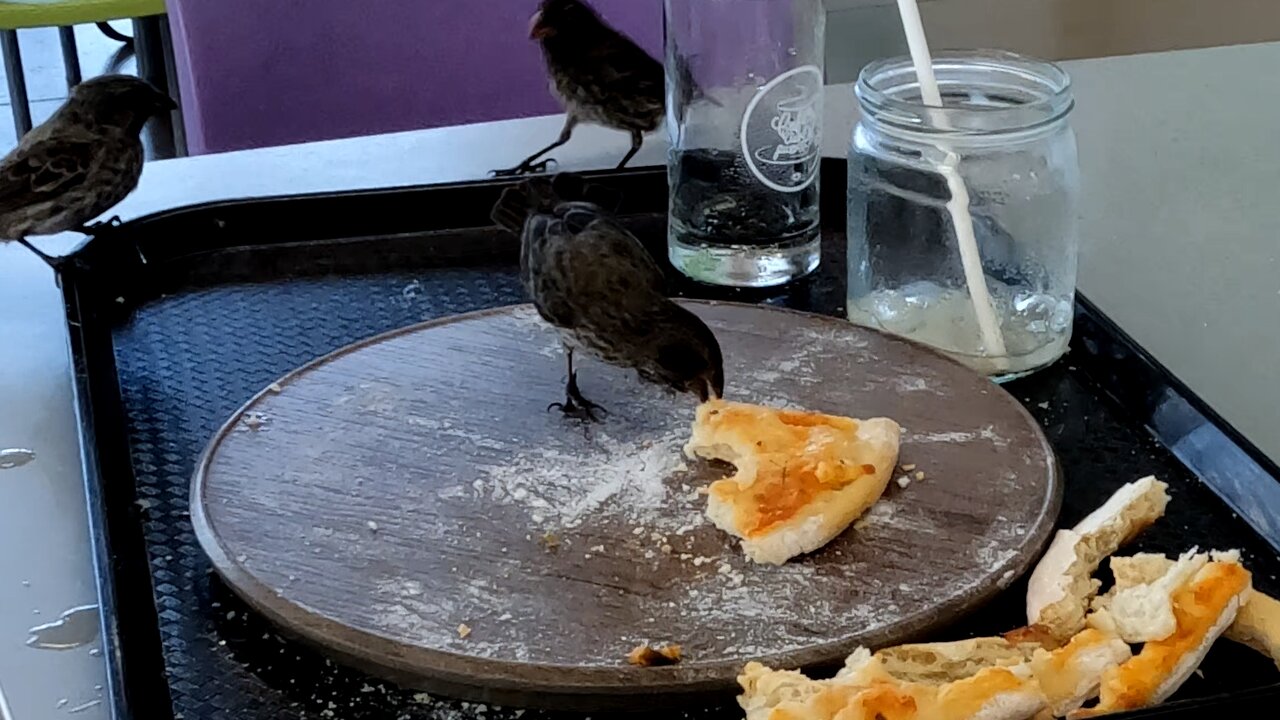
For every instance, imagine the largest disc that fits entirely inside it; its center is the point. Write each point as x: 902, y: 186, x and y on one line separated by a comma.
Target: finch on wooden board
x: 80, y: 162
x: 591, y: 278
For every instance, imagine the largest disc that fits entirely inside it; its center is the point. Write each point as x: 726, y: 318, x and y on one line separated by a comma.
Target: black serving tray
x: 232, y: 295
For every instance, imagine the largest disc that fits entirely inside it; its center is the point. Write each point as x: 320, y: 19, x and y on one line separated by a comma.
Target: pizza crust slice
x: 801, y: 479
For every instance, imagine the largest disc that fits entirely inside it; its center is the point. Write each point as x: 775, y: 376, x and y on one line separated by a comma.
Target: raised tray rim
x: 137, y: 686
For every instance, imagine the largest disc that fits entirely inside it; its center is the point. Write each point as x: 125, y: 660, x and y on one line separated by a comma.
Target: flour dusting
x: 612, y: 477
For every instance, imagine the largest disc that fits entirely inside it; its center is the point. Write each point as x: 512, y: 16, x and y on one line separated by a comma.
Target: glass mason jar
x: 962, y: 220
x: 744, y: 115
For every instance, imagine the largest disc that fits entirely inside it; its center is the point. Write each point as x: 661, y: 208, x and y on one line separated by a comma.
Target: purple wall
x: 270, y: 72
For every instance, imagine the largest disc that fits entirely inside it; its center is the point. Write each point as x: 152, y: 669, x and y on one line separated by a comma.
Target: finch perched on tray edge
x: 80, y: 162
x: 600, y: 75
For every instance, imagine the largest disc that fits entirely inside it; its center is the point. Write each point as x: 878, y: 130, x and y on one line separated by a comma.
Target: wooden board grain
x: 409, y: 504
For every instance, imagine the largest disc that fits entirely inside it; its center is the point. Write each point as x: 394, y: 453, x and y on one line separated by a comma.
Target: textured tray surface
x: 234, y: 321
x: 228, y: 663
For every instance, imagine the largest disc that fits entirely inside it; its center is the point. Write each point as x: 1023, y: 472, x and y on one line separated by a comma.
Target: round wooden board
x: 380, y: 498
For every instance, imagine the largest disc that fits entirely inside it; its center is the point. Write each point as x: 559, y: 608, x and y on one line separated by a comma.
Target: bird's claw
x: 577, y: 406
x: 577, y: 410
x: 92, y: 228
x: 526, y: 168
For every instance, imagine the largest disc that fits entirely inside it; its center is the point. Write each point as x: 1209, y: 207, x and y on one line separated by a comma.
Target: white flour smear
x: 611, y: 479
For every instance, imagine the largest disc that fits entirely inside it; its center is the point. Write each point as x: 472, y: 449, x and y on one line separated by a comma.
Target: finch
x: 79, y: 163
x: 599, y: 74
x: 590, y: 278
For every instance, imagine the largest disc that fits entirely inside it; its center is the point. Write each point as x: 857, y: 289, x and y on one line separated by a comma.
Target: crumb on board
x: 275, y: 388
x: 904, y: 481
x: 254, y: 420
x: 373, y: 526
x: 920, y: 475
x: 909, y: 468
x: 646, y: 655
x: 551, y: 542
x: 464, y: 630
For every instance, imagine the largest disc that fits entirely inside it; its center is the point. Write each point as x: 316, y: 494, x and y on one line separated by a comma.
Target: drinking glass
x: 744, y: 112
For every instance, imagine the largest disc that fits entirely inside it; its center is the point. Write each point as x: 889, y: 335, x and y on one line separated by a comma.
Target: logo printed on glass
x: 781, y: 130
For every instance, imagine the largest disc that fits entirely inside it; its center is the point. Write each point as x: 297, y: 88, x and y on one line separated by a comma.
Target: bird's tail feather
x: 569, y: 187
x: 512, y: 208
x: 542, y: 195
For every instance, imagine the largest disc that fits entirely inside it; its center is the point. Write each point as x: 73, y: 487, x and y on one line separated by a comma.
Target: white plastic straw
x: 958, y: 205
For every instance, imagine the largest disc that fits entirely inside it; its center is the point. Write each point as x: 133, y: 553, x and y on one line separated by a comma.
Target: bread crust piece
x: 865, y: 690
x: 1143, y: 612
x: 1071, y: 675
x: 1062, y: 584
x: 802, y: 478
x: 938, y: 663
x: 1257, y: 624
x: 1203, y: 609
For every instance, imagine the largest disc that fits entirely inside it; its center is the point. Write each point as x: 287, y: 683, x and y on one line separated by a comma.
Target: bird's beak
x: 537, y: 30
x: 707, y: 388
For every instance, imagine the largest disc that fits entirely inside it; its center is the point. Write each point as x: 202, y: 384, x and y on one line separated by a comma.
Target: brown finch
x: 592, y: 279
x: 600, y: 75
x: 79, y: 163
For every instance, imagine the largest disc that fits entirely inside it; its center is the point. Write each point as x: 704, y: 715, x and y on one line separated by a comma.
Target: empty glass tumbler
x: 744, y: 112
x: 962, y: 220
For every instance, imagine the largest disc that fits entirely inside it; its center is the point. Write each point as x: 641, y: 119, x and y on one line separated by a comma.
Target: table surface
x: 1180, y: 228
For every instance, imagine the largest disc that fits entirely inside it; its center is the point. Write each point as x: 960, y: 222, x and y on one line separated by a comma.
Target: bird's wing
x: 44, y: 170
x: 620, y: 64
x: 610, y: 265
x: 603, y: 234
x: 582, y: 261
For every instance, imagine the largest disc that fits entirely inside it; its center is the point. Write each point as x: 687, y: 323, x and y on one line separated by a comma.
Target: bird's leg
x: 528, y: 165
x: 637, y: 139
x: 574, y: 395
x: 48, y: 259
x: 575, y: 405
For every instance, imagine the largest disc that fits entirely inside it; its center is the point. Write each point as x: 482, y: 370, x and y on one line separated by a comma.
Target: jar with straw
x: 963, y: 186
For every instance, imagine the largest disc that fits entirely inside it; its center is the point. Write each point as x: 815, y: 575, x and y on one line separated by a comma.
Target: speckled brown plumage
x: 600, y: 75
x: 80, y: 162
x: 592, y: 279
